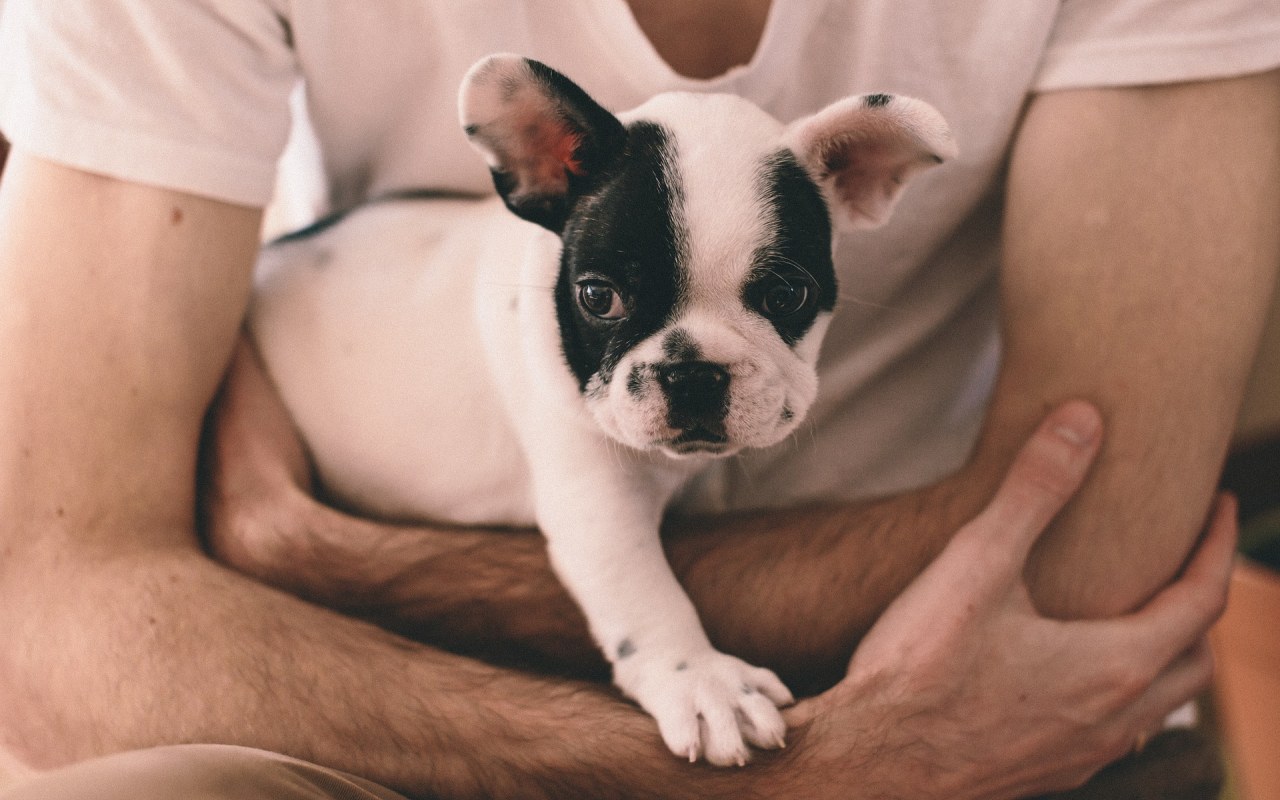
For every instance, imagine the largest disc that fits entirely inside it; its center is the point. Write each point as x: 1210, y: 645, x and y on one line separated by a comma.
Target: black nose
x: 694, y: 380
x: 697, y: 394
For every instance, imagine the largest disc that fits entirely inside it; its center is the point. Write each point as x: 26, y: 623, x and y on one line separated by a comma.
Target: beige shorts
x: 196, y: 772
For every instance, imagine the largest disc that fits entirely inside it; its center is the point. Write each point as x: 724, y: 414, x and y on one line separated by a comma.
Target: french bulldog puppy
x: 653, y: 296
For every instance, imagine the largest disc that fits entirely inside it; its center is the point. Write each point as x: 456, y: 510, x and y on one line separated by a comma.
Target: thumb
x: 1045, y: 474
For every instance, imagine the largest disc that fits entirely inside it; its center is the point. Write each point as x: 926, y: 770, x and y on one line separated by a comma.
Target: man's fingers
x: 1044, y: 475
x: 1211, y: 562
x: 1184, y: 679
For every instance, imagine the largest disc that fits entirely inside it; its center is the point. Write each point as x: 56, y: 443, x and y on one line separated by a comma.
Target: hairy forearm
x: 791, y: 589
x: 796, y: 589
x: 485, y: 592
x: 166, y: 647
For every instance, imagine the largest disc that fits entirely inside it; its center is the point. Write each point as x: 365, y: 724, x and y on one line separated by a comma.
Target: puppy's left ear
x: 863, y: 150
x: 544, y: 139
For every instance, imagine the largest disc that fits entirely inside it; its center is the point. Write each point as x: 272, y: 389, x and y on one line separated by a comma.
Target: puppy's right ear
x: 863, y: 150
x: 544, y: 139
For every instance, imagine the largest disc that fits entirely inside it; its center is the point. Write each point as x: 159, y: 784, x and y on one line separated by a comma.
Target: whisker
x: 615, y: 449
x: 797, y: 265
x: 737, y: 466
x: 841, y: 296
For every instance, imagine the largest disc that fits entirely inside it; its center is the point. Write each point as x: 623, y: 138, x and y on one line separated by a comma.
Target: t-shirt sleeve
x: 1098, y: 43
x: 184, y: 94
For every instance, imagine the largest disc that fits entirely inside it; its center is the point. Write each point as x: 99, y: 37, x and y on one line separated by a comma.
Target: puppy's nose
x: 697, y: 398
x: 693, y: 381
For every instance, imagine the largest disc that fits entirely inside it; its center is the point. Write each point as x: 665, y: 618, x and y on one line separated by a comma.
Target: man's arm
x: 1141, y: 247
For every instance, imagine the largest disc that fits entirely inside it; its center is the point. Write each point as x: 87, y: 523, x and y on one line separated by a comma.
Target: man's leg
x: 197, y: 772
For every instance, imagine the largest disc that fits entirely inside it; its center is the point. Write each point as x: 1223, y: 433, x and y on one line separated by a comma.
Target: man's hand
x: 976, y: 695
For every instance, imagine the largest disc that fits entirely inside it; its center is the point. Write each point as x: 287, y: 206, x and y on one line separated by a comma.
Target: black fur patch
x: 877, y: 100
x: 635, y: 381
x: 625, y: 231
x: 678, y: 346
x: 801, y: 250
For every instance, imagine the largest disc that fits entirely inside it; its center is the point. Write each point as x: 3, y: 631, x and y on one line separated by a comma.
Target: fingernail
x: 1078, y: 424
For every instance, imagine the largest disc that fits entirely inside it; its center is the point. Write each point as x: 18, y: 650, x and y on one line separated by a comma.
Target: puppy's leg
x: 601, y: 520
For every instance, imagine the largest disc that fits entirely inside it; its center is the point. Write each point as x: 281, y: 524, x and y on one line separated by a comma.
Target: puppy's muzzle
x: 697, y: 401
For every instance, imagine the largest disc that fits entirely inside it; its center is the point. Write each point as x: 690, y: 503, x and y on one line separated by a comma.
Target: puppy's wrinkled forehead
x: 731, y: 171
x: 705, y: 206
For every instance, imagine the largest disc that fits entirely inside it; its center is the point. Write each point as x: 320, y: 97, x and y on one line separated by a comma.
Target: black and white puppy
x: 450, y: 361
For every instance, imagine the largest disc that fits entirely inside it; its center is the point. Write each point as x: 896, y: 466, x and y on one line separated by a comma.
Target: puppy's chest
x: 384, y: 336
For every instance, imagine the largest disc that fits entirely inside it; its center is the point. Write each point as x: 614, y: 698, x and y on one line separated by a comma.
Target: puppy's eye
x: 600, y: 299
x: 782, y: 298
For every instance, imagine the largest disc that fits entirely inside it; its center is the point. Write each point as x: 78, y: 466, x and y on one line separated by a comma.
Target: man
x: 125, y: 281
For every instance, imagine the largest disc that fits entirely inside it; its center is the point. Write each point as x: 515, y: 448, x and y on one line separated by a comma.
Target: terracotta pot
x: 1246, y: 645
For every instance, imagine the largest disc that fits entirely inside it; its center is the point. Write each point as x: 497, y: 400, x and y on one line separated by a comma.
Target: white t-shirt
x: 193, y: 95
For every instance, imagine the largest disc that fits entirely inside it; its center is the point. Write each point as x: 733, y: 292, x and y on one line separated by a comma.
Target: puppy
x: 653, y: 297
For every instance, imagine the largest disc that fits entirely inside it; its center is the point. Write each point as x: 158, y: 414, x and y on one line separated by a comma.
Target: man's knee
x: 197, y: 772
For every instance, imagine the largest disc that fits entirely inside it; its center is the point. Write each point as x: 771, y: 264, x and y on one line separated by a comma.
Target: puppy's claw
x: 704, y: 710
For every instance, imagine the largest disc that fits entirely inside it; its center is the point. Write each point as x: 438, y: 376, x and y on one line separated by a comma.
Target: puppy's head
x: 695, y: 278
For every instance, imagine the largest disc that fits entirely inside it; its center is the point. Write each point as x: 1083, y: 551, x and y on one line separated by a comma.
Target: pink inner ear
x: 565, y: 150
x: 864, y: 150
x: 867, y: 173
x: 542, y: 149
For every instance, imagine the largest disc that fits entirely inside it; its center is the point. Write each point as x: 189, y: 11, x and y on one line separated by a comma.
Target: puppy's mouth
x: 699, y: 439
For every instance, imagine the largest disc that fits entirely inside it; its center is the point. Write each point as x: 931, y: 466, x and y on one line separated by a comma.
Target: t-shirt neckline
x: 649, y: 72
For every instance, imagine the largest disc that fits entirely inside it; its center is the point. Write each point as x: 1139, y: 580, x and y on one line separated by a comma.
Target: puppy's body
x: 445, y: 360
x: 375, y: 322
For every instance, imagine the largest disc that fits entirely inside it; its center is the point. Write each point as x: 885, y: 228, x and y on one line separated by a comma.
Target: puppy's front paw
x: 709, y: 704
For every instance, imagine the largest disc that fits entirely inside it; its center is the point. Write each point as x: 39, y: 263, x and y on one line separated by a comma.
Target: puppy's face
x: 696, y: 282
x: 696, y: 278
